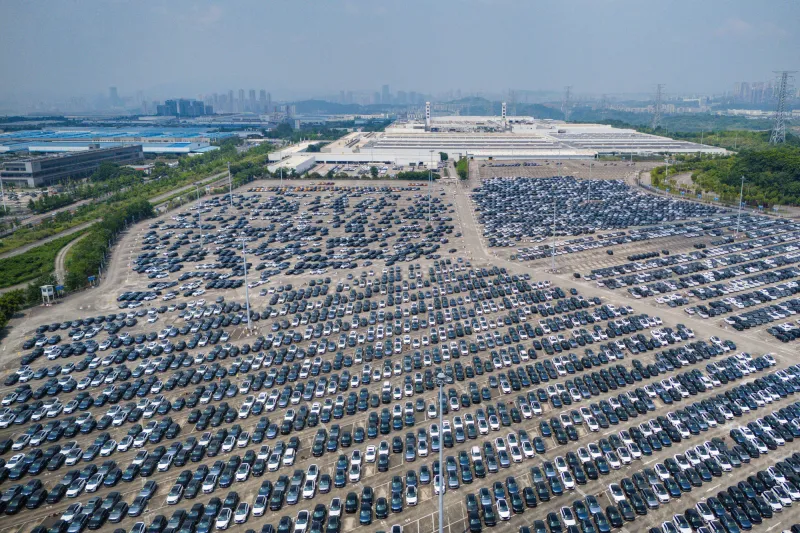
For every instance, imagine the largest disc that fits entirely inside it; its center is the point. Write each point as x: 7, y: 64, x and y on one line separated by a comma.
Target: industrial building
x: 498, y: 137
x: 42, y: 171
x: 152, y: 140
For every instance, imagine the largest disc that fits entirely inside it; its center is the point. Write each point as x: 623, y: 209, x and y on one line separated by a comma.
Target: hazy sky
x: 308, y: 47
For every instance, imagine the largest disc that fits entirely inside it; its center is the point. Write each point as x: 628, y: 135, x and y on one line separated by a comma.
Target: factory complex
x: 407, y: 142
x: 152, y: 140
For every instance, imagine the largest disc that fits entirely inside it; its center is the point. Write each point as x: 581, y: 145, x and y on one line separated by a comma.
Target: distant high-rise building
x: 113, y: 96
x: 385, y: 95
x: 401, y: 97
x: 349, y: 97
x: 269, y: 103
x: 252, y: 105
x: 412, y: 97
x: 376, y: 98
x: 262, y: 101
x: 231, y: 107
x: 240, y: 103
x: 183, y: 107
x: 341, y: 97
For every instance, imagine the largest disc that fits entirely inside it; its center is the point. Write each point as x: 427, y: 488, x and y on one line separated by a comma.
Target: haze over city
x: 313, y: 49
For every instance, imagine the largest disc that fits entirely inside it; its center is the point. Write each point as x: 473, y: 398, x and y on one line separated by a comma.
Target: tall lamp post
x: 246, y: 286
x: 430, y: 186
x: 3, y: 194
x: 440, y: 378
x: 230, y: 184
x: 739, y: 215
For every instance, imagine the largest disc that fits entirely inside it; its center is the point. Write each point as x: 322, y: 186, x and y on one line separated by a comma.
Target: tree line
x: 87, y: 256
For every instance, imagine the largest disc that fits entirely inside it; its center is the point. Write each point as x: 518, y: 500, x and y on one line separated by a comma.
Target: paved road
x: 61, y: 270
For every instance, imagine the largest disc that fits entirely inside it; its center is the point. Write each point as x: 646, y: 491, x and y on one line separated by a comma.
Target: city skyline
x: 542, y: 48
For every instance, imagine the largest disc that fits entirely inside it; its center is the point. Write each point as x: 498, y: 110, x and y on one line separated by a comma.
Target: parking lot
x: 320, y: 413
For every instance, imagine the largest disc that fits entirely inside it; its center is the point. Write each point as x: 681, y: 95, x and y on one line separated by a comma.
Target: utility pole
x: 779, y: 129
x: 440, y: 381
x: 739, y: 215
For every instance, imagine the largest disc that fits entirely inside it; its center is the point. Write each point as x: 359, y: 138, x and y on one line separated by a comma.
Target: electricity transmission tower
x: 657, y: 114
x: 566, y: 104
x: 779, y: 129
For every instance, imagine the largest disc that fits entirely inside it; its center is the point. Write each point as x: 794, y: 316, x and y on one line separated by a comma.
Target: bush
x: 10, y: 303
x: 462, y: 168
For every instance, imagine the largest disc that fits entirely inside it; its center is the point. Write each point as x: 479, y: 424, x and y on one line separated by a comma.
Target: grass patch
x: 33, y: 263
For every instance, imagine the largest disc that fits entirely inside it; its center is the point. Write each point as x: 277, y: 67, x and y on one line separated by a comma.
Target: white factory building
x: 406, y: 142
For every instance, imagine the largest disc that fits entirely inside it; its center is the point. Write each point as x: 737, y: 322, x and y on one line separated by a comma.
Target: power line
x: 779, y: 129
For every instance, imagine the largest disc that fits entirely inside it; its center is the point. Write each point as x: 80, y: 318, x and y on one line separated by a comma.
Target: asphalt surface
x: 421, y: 518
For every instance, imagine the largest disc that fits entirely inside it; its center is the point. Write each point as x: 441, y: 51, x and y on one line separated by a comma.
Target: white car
x: 335, y: 508
x: 301, y: 522
x: 289, y: 457
x: 73, y: 457
x: 223, y: 518
x: 370, y: 454
x: 274, y: 462
x: 309, y: 489
x: 72, y: 511
x: 502, y: 509
x: 94, y: 483
x: 243, y: 472
x: 616, y: 492
x: 354, y: 474
x: 77, y: 486
x: 175, y: 494
x: 411, y: 496
x: 242, y: 512
x: 108, y: 448
x: 313, y: 471
x: 14, y: 460
x: 260, y: 506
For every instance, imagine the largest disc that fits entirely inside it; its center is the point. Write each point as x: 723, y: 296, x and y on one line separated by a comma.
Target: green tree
x: 373, y: 170
x: 462, y: 168
x: 443, y: 156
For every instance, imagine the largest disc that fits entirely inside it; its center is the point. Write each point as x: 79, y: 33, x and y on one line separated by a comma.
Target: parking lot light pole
x: 230, y: 184
x: 739, y: 216
x: 589, y: 193
x: 430, y: 185
x: 3, y: 194
x: 246, y: 287
x: 440, y: 377
x: 553, y: 262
